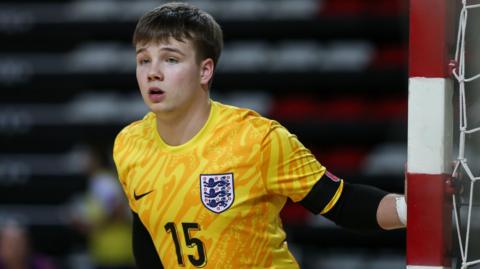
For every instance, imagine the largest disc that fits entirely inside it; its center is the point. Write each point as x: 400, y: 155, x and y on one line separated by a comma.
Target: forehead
x: 184, y: 46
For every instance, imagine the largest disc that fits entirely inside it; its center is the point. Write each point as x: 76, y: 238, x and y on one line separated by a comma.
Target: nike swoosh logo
x: 138, y: 197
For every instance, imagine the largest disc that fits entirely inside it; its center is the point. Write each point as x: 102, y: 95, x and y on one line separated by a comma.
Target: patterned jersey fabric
x: 214, y: 201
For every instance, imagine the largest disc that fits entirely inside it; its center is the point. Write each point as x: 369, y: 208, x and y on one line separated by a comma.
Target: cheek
x: 187, y: 76
x: 138, y: 73
x: 140, y: 76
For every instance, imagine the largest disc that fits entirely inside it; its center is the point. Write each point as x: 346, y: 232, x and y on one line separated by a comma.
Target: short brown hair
x: 181, y: 21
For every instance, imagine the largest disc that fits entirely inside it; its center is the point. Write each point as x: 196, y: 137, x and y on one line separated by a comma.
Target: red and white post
x: 430, y: 136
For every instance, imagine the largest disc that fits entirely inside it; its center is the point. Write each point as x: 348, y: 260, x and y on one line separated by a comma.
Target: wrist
x: 401, y: 206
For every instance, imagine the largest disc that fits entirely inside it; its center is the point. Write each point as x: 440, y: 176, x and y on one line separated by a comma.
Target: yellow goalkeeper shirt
x: 214, y: 201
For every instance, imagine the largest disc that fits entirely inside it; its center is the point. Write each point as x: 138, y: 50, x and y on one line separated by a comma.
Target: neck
x: 177, y: 129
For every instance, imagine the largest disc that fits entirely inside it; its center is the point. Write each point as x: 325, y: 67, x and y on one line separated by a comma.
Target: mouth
x: 155, y: 90
x: 155, y: 94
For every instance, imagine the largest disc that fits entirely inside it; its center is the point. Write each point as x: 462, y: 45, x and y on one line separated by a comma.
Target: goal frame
x: 430, y: 135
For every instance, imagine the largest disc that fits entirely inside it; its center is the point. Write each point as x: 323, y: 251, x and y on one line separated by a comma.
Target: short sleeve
x: 288, y: 168
x: 120, y: 158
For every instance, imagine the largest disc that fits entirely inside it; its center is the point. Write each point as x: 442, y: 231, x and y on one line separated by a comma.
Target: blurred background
x: 334, y: 72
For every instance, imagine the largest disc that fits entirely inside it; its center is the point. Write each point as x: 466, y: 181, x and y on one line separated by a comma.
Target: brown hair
x: 181, y: 21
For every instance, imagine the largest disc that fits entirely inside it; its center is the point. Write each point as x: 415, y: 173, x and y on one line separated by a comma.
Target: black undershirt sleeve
x: 146, y: 256
x: 356, y: 208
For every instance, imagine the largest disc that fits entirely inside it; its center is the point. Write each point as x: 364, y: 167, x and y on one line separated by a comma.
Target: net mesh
x: 462, y: 166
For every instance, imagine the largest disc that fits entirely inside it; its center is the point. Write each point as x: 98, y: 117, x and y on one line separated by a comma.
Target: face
x: 170, y: 78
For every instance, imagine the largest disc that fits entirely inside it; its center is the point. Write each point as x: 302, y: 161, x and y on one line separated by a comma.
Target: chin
x: 158, y: 108
x: 154, y: 107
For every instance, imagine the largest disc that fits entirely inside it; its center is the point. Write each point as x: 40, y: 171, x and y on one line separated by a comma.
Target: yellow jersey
x: 214, y: 201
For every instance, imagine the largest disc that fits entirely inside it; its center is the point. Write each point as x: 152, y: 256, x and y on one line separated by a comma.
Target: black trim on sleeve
x: 144, y: 251
x: 320, y: 195
x: 355, y: 209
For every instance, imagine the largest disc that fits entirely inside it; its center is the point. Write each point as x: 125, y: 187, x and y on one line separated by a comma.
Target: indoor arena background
x: 334, y: 72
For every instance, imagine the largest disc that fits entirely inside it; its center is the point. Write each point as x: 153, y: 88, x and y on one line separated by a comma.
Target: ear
x: 206, y: 70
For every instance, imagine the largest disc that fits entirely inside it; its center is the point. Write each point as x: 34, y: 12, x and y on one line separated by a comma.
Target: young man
x: 206, y: 181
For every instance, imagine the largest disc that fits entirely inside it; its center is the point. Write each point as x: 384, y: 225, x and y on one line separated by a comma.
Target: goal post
x: 430, y: 135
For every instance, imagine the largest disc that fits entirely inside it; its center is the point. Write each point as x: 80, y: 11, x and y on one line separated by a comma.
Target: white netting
x: 461, y: 164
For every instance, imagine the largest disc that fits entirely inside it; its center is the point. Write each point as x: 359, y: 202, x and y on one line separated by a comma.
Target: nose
x: 155, y: 73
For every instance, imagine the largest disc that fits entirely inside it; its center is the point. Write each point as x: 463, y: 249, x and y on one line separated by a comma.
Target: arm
x: 144, y: 251
x: 392, y: 211
x: 389, y: 212
x: 353, y: 206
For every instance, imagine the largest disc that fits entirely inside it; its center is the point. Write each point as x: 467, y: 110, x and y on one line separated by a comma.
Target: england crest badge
x: 217, y: 191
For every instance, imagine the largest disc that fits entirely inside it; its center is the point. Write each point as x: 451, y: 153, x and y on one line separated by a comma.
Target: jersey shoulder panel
x: 244, y: 119
x: 138, y: 127
x: 126, y: 146
x: 288, y: 167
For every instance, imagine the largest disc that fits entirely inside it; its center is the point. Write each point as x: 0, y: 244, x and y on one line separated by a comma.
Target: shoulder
x: 245, y: 119
x: 265, y: 129
x: 136, y: 130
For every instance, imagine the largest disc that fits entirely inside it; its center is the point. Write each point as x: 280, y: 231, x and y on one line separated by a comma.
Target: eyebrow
x: 171, y: 49
x: 140, y: 50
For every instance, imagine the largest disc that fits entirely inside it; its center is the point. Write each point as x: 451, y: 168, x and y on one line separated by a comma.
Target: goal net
x: 463, y: 173
x: 441, y: 177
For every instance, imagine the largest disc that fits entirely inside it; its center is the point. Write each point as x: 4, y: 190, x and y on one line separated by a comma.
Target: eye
x: 143, y: 61
x: 171, y: 60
